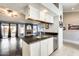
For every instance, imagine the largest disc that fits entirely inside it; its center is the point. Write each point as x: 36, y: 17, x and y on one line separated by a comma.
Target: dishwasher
x: 55, y: 42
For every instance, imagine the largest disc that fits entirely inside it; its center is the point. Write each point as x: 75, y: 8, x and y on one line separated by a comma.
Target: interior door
x: 5, y: 30
x: 13, y: 30
x: 21, y: 30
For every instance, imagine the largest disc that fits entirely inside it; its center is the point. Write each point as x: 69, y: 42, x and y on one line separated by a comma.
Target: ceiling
x: 14, y: 6
x: 20, y: 7
x: 71, y: 7
x: 67, y: 7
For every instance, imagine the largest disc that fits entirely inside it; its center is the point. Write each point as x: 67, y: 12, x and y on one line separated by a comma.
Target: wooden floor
x: 10, y: 47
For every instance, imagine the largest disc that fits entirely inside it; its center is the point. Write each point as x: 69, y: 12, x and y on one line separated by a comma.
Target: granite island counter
x: 37, y: 46
x: 33, y: 39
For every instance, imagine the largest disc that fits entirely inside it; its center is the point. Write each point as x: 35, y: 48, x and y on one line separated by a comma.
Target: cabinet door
x: 35, y: 49
x: 42, y: 16
x: 50, y: 46
x: 44, y: 47
x: 47, y: 18
x: 34, y: 13
x: 51, y: 19
x: 25, y: 49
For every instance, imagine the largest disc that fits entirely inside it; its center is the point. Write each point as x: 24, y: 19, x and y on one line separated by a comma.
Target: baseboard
x: 70, y: 41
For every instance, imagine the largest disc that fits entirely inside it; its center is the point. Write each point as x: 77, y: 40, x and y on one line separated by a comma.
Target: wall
x: 56, y: 24
x: 60, y: 30
x: 71, y: 18
x: 53, y: 27
x: 50, y: 29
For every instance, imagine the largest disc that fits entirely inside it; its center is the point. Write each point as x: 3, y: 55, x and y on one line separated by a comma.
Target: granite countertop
x: 32, y: 39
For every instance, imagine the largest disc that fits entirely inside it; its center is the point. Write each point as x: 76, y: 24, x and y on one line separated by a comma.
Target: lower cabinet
x: 35, y: 49
x: 44, y: 47
x: 31, y: 49
x: 50, y: 46
x: 40, y: 48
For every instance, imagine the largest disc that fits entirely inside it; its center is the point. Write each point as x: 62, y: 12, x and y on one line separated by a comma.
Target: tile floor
x: 68, y: 49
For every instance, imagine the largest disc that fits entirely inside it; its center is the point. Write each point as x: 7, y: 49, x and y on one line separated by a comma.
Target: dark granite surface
x: 13, y: 46
x: 51, y: 33
x: 32, y: 39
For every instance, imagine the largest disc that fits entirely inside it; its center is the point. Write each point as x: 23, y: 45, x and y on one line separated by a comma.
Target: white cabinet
x: 50, y: 45
x: 36, y: 14
x: 49, y: 18
x: 32, y: 12
x: 25, y: 49
x: 31, y: 49
x: 44, y: 48
x: 40, y: 48
x: 35, y: 49
x: 42, y: 16
x: 46, y: 17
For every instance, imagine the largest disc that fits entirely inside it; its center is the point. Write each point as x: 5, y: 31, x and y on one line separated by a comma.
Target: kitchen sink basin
x: 44, y: 36
x: 41, y: 36
x: 38, y: 36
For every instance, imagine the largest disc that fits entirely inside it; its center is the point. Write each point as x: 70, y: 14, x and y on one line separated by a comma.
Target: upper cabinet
x: 46, y: 17
x: 40, y: 13
x: 42, y: 16
x: 49, y: 18
x: 32, y: 12
x: 51, y: 7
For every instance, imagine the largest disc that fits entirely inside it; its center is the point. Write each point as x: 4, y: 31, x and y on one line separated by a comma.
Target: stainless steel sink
x: 44, y: 36
x: 41, y: 36
x: 38, y: 36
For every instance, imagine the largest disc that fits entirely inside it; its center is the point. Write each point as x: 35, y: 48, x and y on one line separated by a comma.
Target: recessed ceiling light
x: 45, y: 10
x: 9, y: 10
x: 73, y: 8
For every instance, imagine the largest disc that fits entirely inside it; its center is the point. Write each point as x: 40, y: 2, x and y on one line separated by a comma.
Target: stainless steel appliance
x: 29, y: 29
x: 55, y: 42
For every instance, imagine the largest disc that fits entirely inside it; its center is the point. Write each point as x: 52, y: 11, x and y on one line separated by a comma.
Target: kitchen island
x: 37, y: 46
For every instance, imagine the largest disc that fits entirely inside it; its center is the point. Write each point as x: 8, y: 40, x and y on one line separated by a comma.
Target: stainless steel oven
x: 28, y: 29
